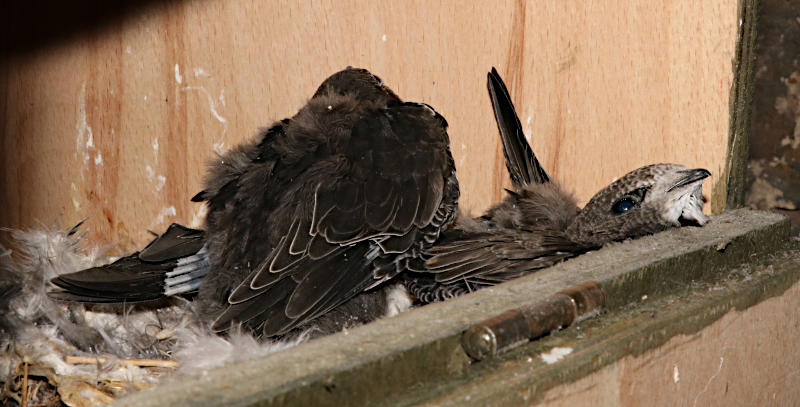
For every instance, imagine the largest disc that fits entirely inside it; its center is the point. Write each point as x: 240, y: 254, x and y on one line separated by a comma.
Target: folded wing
x: 389, y: 182
x: 523, y: 167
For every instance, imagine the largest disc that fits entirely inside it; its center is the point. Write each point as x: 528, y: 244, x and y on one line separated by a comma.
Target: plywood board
x: 116, y: 122
x: 747, y: 358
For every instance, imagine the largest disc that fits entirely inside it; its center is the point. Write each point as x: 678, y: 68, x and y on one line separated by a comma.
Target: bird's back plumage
x: 325, y: 205
x: 317, y: 209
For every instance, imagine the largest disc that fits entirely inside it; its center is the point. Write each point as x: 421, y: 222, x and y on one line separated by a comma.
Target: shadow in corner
x: 28, y: 26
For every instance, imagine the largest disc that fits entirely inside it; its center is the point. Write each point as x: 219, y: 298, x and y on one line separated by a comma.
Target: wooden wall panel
x: 747, y: 358
x: 115, y: 123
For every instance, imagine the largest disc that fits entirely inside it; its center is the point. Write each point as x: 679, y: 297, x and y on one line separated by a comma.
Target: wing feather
x: 375, y: 203
x: 523, y: 167
x: 496, y: 256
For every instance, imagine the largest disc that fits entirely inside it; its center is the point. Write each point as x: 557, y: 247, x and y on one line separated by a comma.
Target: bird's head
x: 358, y: 82
x: 644, y: 201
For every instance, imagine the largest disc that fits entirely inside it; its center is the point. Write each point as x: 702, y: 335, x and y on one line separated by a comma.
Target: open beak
x: 692, y: 213
x: 690, y: 176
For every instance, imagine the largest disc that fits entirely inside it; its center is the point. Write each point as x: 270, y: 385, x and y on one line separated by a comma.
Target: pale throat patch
x: 688, y: 205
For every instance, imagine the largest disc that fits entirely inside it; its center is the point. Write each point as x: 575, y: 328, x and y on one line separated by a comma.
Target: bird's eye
x: 623, y: 205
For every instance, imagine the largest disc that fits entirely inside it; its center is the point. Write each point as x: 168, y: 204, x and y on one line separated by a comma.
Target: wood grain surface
x: 747, y: 358
x: 115, y: 121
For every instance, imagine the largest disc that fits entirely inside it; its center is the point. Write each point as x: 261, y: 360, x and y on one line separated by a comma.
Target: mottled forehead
x: 647, y: 175
x: 642, y: 177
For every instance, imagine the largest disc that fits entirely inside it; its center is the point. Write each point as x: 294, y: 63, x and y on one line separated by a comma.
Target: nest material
x: 54, y: 354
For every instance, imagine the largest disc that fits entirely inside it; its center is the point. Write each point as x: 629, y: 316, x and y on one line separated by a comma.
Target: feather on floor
x: 78, y: 355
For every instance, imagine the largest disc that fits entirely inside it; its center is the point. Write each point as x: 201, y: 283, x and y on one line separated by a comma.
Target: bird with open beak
x: 540, y: 224
x: 306, y: 221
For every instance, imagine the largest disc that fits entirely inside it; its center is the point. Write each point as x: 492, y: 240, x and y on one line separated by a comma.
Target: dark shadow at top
x: 28, y: 26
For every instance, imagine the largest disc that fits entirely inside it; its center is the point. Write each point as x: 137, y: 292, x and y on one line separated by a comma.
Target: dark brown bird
x: 539, y: 224
x: 318, y: 209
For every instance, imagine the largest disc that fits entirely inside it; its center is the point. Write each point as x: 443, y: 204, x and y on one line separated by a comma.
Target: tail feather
x: 173, y: 263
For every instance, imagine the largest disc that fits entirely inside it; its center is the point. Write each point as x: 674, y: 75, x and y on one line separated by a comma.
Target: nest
x: 54, y: 354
